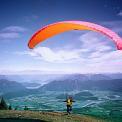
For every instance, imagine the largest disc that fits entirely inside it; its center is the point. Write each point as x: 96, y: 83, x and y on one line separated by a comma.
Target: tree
x: 10, y: 107
x: 3, y: 105
x: 26, y: 108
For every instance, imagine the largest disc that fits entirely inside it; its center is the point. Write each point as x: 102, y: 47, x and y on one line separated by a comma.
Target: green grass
x: 47, y: 116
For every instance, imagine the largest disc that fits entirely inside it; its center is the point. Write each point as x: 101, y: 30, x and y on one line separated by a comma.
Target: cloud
x: 95, y: 42
x: 11, y: 32
x: 120, y: 13
x: 112, y: 56
x: 55, y: 56
x: 110, y: 62
x: 102, y: 57
x: 8, y: 35
x: 14, y: 29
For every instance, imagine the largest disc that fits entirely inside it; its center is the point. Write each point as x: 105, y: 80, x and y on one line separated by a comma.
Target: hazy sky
x: 73, y: 51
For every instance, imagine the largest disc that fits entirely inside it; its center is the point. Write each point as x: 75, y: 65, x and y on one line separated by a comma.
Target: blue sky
x: 69, y: 52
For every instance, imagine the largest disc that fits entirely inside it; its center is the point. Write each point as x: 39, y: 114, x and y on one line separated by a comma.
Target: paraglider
x: 69, y: 101
x: 60, y: 27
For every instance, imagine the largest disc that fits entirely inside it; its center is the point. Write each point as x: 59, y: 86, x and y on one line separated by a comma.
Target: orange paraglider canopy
x: 56, y: 28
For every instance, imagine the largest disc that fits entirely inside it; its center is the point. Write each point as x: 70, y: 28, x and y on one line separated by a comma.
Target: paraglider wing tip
x: 119, y: 45
x: 30, y: 46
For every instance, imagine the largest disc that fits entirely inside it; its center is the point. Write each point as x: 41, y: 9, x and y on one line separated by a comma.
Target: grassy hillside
x: 47, y: 116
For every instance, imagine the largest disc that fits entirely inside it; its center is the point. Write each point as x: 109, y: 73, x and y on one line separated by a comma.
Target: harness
x: 69, y: 102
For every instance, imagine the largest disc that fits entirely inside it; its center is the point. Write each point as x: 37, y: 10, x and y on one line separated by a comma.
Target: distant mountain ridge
x: 10, y: 86
x: 11, y: 89
x: 3, y: 77
x: 67, y: 82
x: 84, y: 82
x: 46, y: 78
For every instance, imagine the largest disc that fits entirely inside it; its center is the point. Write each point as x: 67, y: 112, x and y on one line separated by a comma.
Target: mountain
x: 84, y: 82
x: 21, y: 93
x: 10, y: 86
x: 61, y: 82
x: 85, y: 77
x: 12, y: 89
x: 2, y: 77
x: 32, y: 78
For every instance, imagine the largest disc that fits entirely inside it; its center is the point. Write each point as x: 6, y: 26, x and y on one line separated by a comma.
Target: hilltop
x: 46, y: 116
